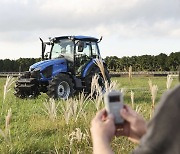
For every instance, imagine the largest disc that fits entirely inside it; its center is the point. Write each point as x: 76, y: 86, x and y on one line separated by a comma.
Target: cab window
x: 95, y: 50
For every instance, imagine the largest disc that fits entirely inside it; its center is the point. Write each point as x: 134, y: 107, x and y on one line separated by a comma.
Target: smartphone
x: 114, y: 103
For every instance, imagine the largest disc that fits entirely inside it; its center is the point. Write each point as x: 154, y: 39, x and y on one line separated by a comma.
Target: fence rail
x: 115, y: 74
x: 141, y: 73
x: 14, y: 74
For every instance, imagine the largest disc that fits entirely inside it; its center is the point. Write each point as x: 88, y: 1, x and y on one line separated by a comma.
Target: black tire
x: 61, y: 86
x: 18, y: 93
x: 33, y: 93
x: 101, y: 81
x: 26, y: 94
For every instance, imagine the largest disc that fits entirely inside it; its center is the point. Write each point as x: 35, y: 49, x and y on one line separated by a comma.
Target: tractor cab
x: 85, y: 52
x: 78, y: 51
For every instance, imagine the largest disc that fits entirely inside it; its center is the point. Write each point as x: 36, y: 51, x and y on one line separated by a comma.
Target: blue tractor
x: 68, y: 67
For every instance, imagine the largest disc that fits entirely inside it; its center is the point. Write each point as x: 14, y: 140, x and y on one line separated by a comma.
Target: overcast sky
x: 128, y: 27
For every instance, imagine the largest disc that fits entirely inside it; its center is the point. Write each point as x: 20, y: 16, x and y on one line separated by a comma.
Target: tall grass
x: 7, y: 86
x: 169, y: 82
x: 77, y: 136
x: 130, y: 73
x: 74, y: 107
x: 153, y: 90
x: 6, y: 133
x: 31, y: 130
x: 99, y: 63
x: 97, y: 89
x: 51, y: 109
x: 132, y: 99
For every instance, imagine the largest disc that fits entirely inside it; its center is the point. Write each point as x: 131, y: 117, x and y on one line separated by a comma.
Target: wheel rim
x: 63, y: 90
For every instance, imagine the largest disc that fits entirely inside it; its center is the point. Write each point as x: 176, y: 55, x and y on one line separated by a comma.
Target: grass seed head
x: 7, y: 87
x: 130, y: 73
x: 99, y: 63
x: 6, y: 133
x: 51, y: 109
x: 153, y: 90
x: 8, y: 118
x: 169, y: 82
x: 77, y: 135
x: 132, y: 99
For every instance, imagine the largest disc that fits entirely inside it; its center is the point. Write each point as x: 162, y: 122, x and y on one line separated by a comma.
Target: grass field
x: 65, y: 128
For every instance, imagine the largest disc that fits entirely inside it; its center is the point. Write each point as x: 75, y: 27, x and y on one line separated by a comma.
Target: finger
x: 128, y: 116
x: 110, y: 117
x: 133, y: 140
x: 100, y: 114
x: 130, y: 110
x: 104, y: 117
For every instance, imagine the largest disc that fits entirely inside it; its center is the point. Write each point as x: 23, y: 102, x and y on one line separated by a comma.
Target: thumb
x: 110, y: 118
x: 127, y: 115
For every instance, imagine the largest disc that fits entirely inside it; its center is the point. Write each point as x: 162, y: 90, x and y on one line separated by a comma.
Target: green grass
x: 31, y: 130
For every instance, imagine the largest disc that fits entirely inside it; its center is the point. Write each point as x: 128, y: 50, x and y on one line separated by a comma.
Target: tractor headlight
x: 37, y: 69
x: 31, y: 69
x: 34, y: 69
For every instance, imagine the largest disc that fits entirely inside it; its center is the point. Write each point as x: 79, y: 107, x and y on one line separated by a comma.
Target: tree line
x: 19, y: 65
x: 161, y: 62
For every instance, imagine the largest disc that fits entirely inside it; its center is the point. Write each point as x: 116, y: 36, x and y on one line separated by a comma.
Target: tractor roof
x: 80, y: 37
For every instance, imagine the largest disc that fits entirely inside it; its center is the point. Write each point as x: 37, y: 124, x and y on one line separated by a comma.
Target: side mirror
x: 46, y: 55
x: 80, y: 46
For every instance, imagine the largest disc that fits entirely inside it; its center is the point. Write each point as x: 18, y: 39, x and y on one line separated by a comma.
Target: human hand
x: 102, y: 132
x: 134, y: 126
x: 102, y: 126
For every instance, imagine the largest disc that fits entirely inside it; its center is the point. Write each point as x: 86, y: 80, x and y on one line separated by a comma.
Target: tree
x: 161, y: 61
x: 174, y: 61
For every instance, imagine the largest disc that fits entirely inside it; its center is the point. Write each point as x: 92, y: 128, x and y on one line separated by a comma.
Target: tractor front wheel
x: 61, y: 86
x: 26, y: 87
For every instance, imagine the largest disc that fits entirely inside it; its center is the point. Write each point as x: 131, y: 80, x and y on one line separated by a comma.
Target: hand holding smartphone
x: 114, y: 103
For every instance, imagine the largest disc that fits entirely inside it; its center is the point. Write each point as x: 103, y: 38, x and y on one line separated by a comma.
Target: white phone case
x: 113, y: 103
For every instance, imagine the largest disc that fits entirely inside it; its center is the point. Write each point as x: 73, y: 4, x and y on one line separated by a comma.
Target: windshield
x: 63, y: 49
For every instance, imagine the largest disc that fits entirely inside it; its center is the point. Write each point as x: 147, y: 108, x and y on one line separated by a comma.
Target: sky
x: 128, y: 27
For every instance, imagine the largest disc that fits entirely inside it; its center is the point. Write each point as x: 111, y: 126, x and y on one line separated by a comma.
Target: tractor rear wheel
x: 61, y: 86
x: 101, y: 82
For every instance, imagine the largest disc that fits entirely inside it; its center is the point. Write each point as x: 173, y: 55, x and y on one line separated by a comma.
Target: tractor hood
x: 44, y: 64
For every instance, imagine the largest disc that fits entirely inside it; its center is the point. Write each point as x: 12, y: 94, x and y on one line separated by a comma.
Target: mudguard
x: 91, y: 65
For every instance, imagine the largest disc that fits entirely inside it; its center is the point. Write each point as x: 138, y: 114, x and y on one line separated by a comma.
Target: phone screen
x: 113, y: 99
